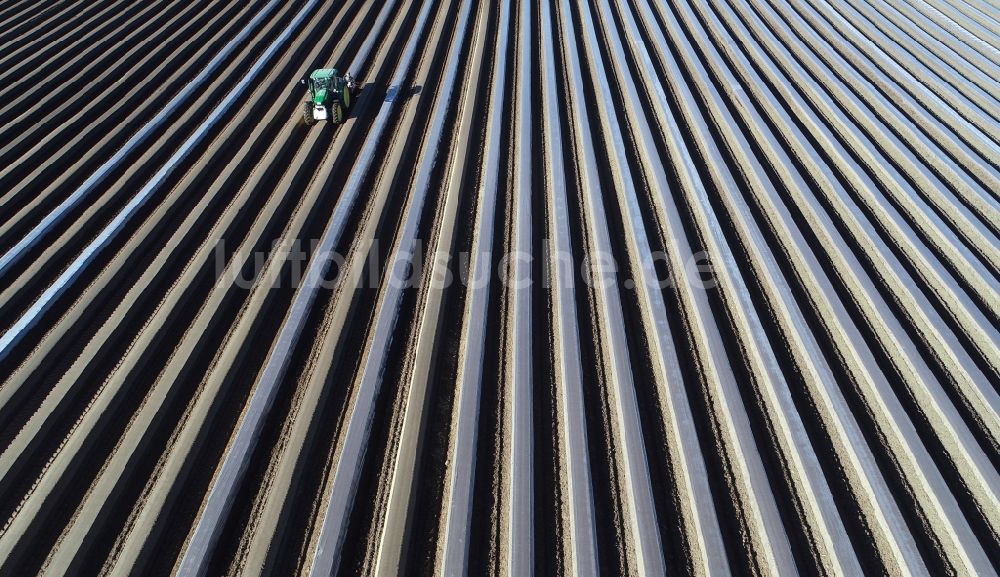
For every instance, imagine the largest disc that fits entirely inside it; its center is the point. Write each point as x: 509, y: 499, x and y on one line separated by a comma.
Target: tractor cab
x: 321, y: 80
x: 330, y: 96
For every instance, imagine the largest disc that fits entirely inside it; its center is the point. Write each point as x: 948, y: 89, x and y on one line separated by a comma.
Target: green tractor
x: 330, y: 96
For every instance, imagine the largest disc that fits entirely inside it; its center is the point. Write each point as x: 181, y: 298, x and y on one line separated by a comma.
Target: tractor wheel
x: 307, y: 113
x: 338, y: 113
x: 346, y: 98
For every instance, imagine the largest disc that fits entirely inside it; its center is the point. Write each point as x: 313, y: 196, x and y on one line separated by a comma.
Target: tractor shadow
x: 400, y: 95
x: 366, y: 108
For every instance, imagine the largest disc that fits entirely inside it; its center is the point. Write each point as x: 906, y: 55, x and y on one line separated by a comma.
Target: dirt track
x: 824, y: 399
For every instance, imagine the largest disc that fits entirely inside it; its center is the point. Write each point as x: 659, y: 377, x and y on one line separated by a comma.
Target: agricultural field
x: 577, y: 287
